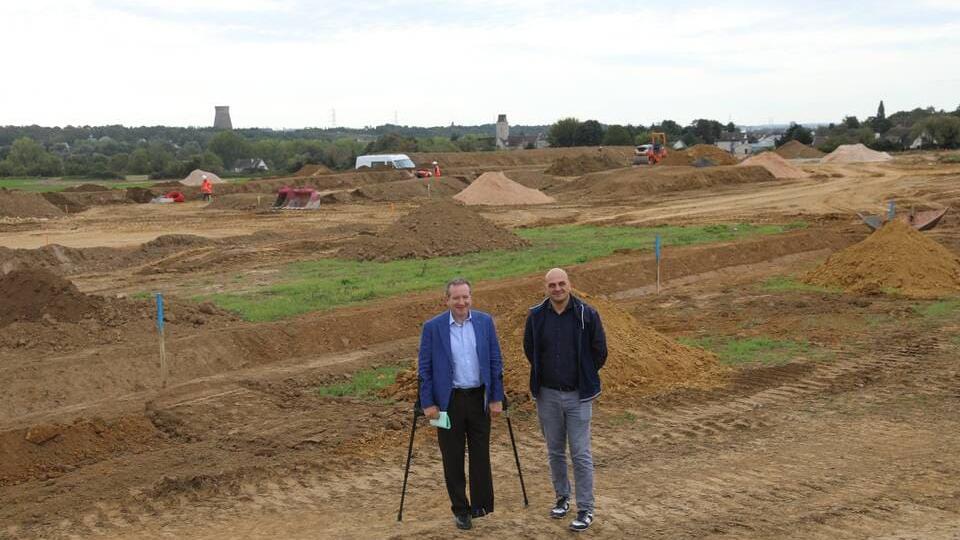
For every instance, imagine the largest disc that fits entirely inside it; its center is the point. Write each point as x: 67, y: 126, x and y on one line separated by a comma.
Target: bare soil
x: 844, y: 438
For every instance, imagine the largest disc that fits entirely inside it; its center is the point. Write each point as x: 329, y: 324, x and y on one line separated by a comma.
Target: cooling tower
x: 222, y: 118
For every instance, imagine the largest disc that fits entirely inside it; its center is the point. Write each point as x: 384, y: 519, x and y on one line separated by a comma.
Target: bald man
x: 566, y: 347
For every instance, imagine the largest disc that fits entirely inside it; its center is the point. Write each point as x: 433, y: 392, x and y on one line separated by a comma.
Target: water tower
x: 222, y: 118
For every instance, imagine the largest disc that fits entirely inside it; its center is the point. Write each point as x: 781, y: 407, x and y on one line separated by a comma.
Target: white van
x: 397, y: 161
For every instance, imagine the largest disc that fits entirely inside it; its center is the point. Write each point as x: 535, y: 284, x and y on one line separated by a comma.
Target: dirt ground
x: 847, y: 437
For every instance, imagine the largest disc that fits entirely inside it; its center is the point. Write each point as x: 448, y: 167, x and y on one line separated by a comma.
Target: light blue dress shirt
x: 463, y: 346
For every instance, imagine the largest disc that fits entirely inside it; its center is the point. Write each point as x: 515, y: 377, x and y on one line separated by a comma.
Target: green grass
x: 753, y: 350
x: 43, y: 185
x: 940, y: 309
x: 789, y: 284
x: 328, y: 283
x: 363, y: 384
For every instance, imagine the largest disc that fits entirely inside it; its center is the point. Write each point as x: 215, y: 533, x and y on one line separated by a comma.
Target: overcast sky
x: 291, y: 63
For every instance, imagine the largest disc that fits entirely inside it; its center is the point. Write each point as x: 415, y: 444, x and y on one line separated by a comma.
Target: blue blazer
x: 435, y: 360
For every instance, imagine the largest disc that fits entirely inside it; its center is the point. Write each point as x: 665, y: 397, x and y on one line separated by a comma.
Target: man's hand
x: 432, y: 412
x: 496, y: 407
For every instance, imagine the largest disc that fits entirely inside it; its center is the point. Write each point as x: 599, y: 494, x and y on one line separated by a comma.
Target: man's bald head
x: 558, y: 287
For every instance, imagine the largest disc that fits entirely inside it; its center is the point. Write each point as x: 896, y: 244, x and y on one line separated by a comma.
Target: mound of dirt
x: 63, y: 201
x: 140, y: 195
x: 87, y: 187
x: 699, y: 153
x: 495, y: 189
x: 855, y: 153
x: 640, y: 360
x: 445, y: 186
x: 32, y: 294
x: 312, y: 169
x: 641, y: 181
x: 175, y: 241
x: 797, y: 150
x: 584, y: 164
x: 436, y: 229
x: 777, y: 166
x: 18, y: 204
x: 895, y: 257
x: 195, y: 178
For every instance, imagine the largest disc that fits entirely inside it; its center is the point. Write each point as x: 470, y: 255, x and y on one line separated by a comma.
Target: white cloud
x: 281, y: 63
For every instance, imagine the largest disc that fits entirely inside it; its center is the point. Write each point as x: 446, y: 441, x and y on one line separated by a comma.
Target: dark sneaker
x: 479, y: 512
x: 583, y: 521
x: 462, y: 521
x: 560, y: 509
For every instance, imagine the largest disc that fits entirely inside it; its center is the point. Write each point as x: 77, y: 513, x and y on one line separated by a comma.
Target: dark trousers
x: 469, y: 423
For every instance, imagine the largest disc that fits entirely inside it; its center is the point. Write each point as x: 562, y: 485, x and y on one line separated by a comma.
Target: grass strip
x: 789, y: 284
x: 363, y: 384
x: 329, y: 283
x: 753, y: 350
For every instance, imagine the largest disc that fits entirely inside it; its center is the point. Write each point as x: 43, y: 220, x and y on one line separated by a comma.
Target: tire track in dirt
x: 763, y: 400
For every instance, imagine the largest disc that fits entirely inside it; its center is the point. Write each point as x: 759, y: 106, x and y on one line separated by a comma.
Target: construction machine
x: 653, y: 153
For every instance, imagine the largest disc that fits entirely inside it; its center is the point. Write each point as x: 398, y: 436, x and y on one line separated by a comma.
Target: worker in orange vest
x: 436, y: 170
x: 206, y: 188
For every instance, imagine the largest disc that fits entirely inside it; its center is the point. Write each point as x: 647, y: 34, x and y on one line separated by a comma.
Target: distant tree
x: 795, y: 132
x: 617, y: 135
x: 881, y: 112
x: 138, y: 162
x: 118, y: 163
x: 671, y: 128
x: 944, y: 129
x: 707, y: 131
x: 589, y: 133
x: 563, y: 132
x: 730, y: 127
x: 392, y: 142
x: 229, y: 146
x: 641, y: 137
x: 851, y: 122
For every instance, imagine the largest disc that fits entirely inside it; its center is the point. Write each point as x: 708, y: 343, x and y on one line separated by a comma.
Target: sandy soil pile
x: 699, y: 153
x: 640, y: 181
x: 195, y: 178
x: 26, y: 205
x: 435, y: 229
x: 312, y: 169
x: 495, y: 189
x: 445, y: 186
x: 584, y: 164
x: 640, y: 360
x: 777, y: 166
x: 797, y: 150
x: 855, y: 153
x: 35, y: 293
x: 897, y: 256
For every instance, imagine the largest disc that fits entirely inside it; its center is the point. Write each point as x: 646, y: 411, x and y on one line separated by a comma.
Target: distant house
x: 818, y: 141
x: 679, y: 145
x: 923, y: 140
x: 253, y: 164
x: 527, y: 141
x: 768, y: 142
x: 734, y: 142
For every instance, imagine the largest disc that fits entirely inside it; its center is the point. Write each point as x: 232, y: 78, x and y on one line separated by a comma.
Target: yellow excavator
x: 653, y: 153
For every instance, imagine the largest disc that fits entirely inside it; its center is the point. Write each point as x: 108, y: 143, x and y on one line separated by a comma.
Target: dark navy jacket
x: 435, y: 361
x: 591, y: 346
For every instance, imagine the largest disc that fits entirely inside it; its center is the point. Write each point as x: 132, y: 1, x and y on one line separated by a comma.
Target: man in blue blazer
x: 461, y: 368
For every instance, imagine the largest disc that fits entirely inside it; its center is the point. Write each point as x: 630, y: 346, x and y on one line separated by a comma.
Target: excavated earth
x: 840, y: 434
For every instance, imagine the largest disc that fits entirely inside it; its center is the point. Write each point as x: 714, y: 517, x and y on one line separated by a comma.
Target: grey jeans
x: 565, y: 419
